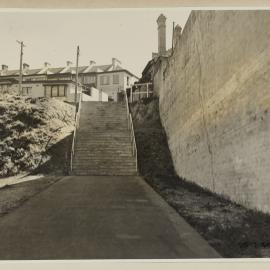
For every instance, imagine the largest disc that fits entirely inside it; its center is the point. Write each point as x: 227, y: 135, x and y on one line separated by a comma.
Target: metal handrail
x: 77, y: 119
x: 132, y: 134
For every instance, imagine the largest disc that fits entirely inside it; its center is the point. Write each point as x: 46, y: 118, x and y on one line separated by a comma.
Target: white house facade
x: 98, y: 82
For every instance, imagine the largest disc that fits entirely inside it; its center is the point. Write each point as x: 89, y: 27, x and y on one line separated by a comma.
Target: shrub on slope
x: 28, y: 128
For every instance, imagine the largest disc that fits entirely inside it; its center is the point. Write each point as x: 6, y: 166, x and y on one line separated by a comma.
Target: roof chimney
x: 115, y: 61
x: 46, y: 64
x: 161, y: 21
x: 91, y: 63
x: 4, y: 69
x: 25, y: 66
x: 69, y: 63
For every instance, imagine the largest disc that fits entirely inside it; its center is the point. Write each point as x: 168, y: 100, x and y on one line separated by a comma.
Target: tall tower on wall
x: 161, y: 21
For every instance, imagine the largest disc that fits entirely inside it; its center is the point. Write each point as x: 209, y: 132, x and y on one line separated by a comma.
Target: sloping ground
x: 35, y: 134
x: 13, y: 196
x: 231, y: 229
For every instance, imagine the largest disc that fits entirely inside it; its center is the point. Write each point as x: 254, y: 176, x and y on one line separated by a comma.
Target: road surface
x: 99, y: 217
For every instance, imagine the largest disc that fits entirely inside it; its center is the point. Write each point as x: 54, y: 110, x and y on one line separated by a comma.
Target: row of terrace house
x: 96, y: 82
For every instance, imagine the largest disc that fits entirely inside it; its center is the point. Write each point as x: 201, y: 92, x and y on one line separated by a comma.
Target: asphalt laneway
x: 99, y: 217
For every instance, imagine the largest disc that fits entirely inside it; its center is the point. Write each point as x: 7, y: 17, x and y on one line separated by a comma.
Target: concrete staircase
x: 103, y: 144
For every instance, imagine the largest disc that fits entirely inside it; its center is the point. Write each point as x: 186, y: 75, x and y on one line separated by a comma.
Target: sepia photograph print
x: 134, y: 134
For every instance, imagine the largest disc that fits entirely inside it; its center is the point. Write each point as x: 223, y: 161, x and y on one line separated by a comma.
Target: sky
x: 130, y: 35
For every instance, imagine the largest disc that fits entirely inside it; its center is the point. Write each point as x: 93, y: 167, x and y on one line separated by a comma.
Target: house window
x: 61, y: 90
x: 127, y: 80
x: 47, y: 90
x: 39, y: 78
x: 26, y: 91
x: 104, y: 80
x: 55, y: 91
x: 89, y: 79
x: 116, y: 79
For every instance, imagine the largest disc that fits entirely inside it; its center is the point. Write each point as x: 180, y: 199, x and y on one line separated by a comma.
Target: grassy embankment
x: 35, y: 135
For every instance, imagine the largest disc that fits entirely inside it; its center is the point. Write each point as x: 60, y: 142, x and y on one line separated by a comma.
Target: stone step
x: 95, y: 160
x: 97, y: 172
x: 119, y: 112
x: 106, y: 151
x: 103, y: 154
x: 115, y: 116
x: 116, y: 143
x: 112, y: 153
x: 102, y: 147
x: 91, y: 166
x: 91, y: 126
x: 115, y: 133
x: 99, y: 156
x: 103, y: 130
x: 100, y: 150
x: 113, y: 158
x: 104, y: 168
x: 110, y: 114
x: 89, y: 137
x: 104, y: 121
x: 102, y: 110
x: 102, y: 135
x: 111, y: 126
x: 85, y: 160
x: 104, y: 143
x: 106, y: 105
x: 83, y: 139
x: 102, y: 124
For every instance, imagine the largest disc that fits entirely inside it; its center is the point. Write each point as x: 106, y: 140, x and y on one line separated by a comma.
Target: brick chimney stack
x: 161, y: 21
x: 4, y: 67
x: 25, y: 67
x: 46, y: 64
x: 4, y: 70
x: 115, y: 61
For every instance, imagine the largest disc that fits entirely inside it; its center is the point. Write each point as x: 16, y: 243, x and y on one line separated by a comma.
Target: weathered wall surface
x: 215, y: 104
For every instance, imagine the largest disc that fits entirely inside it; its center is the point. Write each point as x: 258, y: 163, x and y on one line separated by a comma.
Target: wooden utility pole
x: 21, y: 60
x: 77, y: 69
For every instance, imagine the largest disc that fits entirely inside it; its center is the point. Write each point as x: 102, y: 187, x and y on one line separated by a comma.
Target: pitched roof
x: 32, y: 71
x: 63, y: 70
